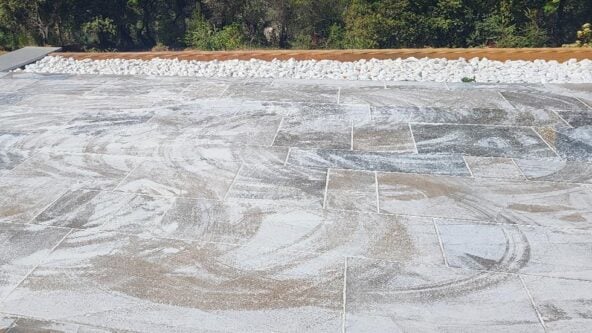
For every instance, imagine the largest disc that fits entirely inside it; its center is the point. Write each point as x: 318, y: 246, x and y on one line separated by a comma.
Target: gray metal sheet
x: 24, y: 57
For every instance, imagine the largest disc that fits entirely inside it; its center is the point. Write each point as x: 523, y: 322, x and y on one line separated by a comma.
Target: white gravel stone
x: 409, y: 69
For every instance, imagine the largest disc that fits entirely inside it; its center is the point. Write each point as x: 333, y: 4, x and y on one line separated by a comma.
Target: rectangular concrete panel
x: 24, y: 57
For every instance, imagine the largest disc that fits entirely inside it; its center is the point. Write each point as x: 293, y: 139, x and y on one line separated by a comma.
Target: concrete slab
x: 179, y: 204
x: 24, y: 56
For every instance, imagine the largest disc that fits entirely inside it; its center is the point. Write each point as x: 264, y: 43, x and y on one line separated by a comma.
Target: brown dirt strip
x: 559, y: 54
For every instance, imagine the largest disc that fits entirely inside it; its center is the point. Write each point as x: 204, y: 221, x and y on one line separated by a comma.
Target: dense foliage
x: 231, y: 24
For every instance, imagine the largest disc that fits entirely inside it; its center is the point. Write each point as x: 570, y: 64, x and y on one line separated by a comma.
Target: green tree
x: 227, y: 24
x: 362, y: 25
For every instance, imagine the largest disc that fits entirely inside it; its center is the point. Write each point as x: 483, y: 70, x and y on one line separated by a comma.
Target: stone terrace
x: 191, y: 205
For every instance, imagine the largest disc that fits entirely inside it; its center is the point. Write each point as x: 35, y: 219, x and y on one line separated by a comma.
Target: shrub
x: 6, y: 40
x: 203, y: 36
x: 585, y: 36
x: 534, y: 34
x: 231, y: 37
x: 335, y: 37
x: 302, y: 41
x: 199, y: 33
x: 496, y: 30
x: 159, y: 47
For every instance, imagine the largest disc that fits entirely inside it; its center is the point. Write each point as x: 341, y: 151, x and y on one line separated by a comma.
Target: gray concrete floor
x: 175, y: 204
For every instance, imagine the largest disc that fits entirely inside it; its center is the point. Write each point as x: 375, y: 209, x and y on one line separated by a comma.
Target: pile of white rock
x: 408, y: 69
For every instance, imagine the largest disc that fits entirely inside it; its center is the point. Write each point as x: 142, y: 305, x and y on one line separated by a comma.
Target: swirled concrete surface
x: 183, y: 205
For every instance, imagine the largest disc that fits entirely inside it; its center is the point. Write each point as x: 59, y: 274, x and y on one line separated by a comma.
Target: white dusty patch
x: 409, y: 69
